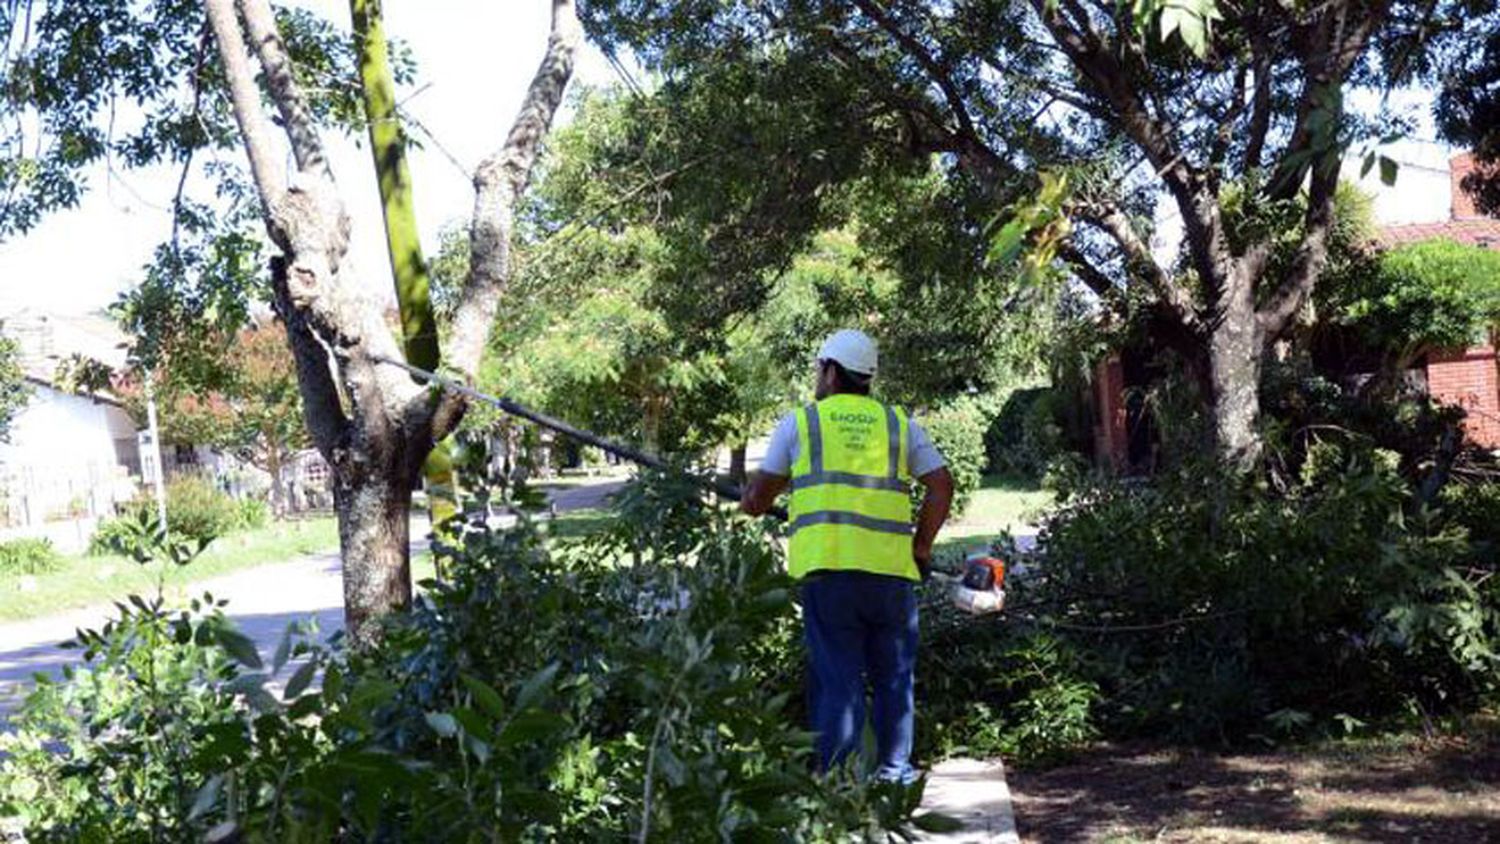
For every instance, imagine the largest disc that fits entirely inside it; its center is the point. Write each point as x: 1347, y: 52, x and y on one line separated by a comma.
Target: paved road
x: 262, y: 601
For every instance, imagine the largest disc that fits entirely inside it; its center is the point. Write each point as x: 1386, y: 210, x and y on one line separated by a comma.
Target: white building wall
x: 1423, y: 192
x: 68, y: 457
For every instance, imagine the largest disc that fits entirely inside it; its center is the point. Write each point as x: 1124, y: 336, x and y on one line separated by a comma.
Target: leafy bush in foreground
x: 535, y: 696
x: 1232, y: 610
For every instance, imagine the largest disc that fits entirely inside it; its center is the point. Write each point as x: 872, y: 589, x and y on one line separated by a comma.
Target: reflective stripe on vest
x: 850, y: 506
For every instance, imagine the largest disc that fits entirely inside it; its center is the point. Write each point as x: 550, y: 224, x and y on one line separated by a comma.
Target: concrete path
x: 973, y: 793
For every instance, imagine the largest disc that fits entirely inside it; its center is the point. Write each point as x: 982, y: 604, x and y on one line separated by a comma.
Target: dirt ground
x: 1407, y: 789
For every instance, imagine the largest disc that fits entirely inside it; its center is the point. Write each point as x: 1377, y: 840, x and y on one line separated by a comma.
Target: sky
x: 474, y: 61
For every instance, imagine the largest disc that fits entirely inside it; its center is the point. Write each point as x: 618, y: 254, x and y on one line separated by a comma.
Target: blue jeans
x: 862, y: 628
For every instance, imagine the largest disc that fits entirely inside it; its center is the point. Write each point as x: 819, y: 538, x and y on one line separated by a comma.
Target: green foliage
x: 28, y: 556
x: 1218, y: 603
x: 110, y: 535
x: 252, y: 514
x: 1025, y: 436
x: 198, y: 509
x: 1431, y: 295
x: 536, y: 695
x: 132, y: 745
x: 957, y: 429
x: 989, y: 687
x: 14, y: 391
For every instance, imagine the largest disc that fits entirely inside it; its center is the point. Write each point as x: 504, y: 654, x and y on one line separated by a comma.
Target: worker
x: 856, y: 550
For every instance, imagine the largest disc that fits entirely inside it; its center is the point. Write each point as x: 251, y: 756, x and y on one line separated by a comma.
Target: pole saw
x: 978, y: 588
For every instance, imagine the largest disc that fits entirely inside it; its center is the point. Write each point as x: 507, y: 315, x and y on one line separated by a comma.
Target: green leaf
x: 239, y: 646
x: 489, y: 700
x: 283, y: 649
x: 535, y: 686
x: 530, y: 725
x: 474, y: 724
x: 1388, y: 168
x: 936, y: 822
x: 442, y: 723
x: 301, y: 679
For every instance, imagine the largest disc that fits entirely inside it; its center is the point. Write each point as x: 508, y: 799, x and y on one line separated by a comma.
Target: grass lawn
x: 1000, y: 504
x: 84, y: 581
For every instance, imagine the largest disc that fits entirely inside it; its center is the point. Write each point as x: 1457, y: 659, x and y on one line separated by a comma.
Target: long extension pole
x: 724, y: 487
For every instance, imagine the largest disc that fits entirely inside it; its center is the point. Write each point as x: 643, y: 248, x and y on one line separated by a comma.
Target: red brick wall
x: 1111, y: 442
x: 1463, y: 202
x: 1468, y: 378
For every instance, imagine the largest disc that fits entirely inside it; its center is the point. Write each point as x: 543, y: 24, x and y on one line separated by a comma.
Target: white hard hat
x: 853, y: 350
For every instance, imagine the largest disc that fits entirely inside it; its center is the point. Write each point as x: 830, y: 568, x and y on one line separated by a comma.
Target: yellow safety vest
x: 851, y: 504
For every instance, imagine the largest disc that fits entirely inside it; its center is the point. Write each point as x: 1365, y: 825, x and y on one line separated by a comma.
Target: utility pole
x: 160, y: 469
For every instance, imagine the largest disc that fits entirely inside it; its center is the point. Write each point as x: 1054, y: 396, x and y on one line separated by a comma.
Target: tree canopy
x: 1124, y: 100
x: 14, y: 391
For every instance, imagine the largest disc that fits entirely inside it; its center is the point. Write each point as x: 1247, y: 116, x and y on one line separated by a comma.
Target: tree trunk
x: 278, y: 490
x: 374, y: 542
x: 737, y: 464
x: 1234, y: 352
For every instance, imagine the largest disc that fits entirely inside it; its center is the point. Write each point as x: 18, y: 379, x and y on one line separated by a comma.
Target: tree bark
x: 737, y: 464
x: 278, y: 488
x: 374, y: 528
x: 1235, y: 347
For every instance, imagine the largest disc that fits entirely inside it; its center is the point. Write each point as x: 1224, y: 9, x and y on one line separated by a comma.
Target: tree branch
x: 1093, y: 278
x: 1108, y: 218
x: 321, y: 408
x: 1326, y: 64
x: 301, y: 129
x: 1260, y: 110
x: 265, y: 164
x: 1100, y: 65
x: 914, y: 48
x: 499, y: 182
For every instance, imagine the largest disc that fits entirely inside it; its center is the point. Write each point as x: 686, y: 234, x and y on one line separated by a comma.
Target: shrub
x: 1025, y: 437
x: 988, y: 686
x: 122, y: 747
x: 196, y: 510
x: 28, y: 556
x: 108, y: 536
x: 199, y: 510
x: 534, y: 696
x: 957, y: 429
x: 1223, y: 603
x: 251, y: 513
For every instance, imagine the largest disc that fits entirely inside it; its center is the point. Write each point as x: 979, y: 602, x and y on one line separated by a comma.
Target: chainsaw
x: 978, y: 588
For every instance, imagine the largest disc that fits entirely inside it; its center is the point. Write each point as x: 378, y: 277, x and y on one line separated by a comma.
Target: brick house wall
x: 1469, y: 379
x: 1111, y: 436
